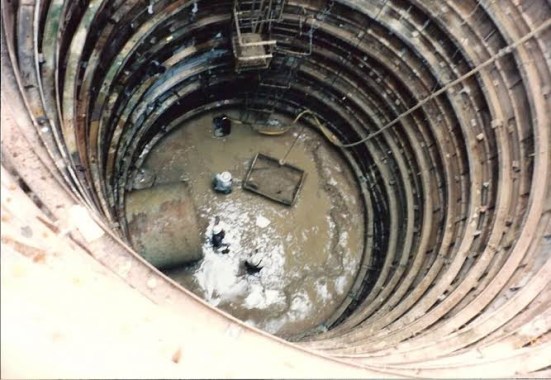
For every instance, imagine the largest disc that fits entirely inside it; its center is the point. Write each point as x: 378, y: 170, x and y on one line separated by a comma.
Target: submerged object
x: 251, y: 267
x: 223, y: 182
x: 221, y: 126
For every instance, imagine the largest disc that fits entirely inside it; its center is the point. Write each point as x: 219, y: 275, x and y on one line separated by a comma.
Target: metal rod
x: 506, y: 50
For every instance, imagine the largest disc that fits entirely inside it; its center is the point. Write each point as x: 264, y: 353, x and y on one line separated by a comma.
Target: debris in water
x: 262, y: 222
x: 252, y: 268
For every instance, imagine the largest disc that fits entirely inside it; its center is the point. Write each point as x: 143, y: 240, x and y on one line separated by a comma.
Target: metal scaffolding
x: 252, y: 45
x: 275, y: 46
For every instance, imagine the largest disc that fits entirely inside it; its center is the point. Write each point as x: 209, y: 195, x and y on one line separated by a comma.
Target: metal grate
x: 273, y: 180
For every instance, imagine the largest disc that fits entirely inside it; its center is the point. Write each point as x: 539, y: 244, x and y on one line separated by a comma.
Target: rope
x: 334, y: 140
x: 506, y: 50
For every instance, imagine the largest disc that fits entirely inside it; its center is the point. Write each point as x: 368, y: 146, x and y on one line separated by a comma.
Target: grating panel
x: 280, y: 183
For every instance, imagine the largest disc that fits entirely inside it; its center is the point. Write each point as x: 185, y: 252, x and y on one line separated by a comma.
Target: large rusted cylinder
x: 164, y: 244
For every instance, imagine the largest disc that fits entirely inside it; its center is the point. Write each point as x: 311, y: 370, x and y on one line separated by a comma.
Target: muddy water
x: 310, y: 252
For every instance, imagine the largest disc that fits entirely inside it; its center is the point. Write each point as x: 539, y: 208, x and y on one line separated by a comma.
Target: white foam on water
x: 300, y: 306
x: 323, y: 292
x: 339, y: 284
x: 262, y: 221
x: 222, y: 277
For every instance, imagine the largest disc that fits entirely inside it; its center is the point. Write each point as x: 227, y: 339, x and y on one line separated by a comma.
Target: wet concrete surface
x: 309, y: 253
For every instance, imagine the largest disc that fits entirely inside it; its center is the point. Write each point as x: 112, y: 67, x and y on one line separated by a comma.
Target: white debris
x: 300, y: 306
x: 262, y: 222
x: 343, y: 239
x: 275, y: 325
x: 255, y: 298
x: 218, y: 278
x: 339, y: 284
x: 221, y: 276
x: 321, y: 289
